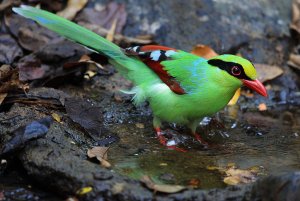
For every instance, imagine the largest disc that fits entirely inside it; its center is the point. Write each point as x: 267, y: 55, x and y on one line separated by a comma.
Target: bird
x: 180, y: 87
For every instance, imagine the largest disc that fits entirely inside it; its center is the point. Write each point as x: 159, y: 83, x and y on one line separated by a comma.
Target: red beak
x: 256, y: 86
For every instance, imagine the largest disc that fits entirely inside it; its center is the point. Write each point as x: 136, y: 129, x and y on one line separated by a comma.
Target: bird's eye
x: 236, y: 71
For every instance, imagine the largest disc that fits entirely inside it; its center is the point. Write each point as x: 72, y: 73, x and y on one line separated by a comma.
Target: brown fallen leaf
x: 234, y: 176
x: 195, y: 183
x: 2, y: 97
x: 295, y: 24
x: 9, y: 49
x: 8, y: 3
x: 9, y: 80
x: 101, y: 154
x: 111, y: 31
x: 294, y: 61
x: 237, y: 176
x: 118, y: 188
x: 73, y: 7
x: 70, y: 199
x: 105, y: 16
x: 204, y: 51
x: 267, y: 72
x: 140, y: 125
x: 164, y: 188
x: 262, y: 107
x: 85, y: 59
x: 32, y: 36
x: 30, y: 71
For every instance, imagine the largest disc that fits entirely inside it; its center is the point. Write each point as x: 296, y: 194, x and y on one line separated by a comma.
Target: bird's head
x: 241, y: 69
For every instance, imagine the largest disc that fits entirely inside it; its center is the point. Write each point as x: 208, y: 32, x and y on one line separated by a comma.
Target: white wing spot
x: 155, y: 55
x: 169, y: 53
x: 135, y: 48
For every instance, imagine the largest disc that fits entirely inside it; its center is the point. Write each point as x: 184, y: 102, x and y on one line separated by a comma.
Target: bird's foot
x: 170, y: 144
x: 216, y: 123
x: 200, y: 139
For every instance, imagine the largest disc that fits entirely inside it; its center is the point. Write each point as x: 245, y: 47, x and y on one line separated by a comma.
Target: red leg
x: 200, y: 139
x: 164, y: 141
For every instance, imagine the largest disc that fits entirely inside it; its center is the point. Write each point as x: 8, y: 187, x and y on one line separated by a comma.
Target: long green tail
x: 131, y: 68
x: 126, y: 65
x: 71, y: 31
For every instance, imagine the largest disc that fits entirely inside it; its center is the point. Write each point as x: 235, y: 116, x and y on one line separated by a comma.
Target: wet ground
x: 265, y: 140
x: 268, y: 140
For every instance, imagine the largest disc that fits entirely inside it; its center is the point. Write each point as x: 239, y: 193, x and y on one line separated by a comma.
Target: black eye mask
x: 228, y: 67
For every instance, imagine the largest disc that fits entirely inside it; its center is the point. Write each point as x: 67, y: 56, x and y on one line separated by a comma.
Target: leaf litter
x: 234, y: 176
x: 101, y: 154
x: 163, y: 188
x: 73, y: 7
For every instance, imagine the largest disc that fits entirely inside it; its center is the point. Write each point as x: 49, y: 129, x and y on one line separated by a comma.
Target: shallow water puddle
x: 267, y: 140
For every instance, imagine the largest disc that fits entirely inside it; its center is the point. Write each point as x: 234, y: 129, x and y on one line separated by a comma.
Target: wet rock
x: 283, y: 187
x: 24, y: 134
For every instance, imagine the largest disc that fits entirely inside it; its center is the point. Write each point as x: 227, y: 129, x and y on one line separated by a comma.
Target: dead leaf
x: 106, y: 16
x: 73, y: 7
x: 164, y: 188
x: 9, y: 49
x: 195, y: 183
x: 30, y: 71
x: 101, y: 154
x: 267, y: 72
x: 236, y: 176
x: 72, y: 199
x: 85, y: 59
x: 213, y: 168
x: 294, y: 61
x: 87, y: 116
x: 118, y: 188
x: 140, y: 125
x: 295, y: 25
x: 32, y: 36
x: 8, y: 3
x: 84, y: 190
x: 262, y: 107
x: 2, y: 97
x: 56, y: 117
x: 111, y: 31
x: 9, y: 80
x: 204, y: 51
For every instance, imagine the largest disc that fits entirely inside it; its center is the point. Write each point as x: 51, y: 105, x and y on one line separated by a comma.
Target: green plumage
x: 208, y: 88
